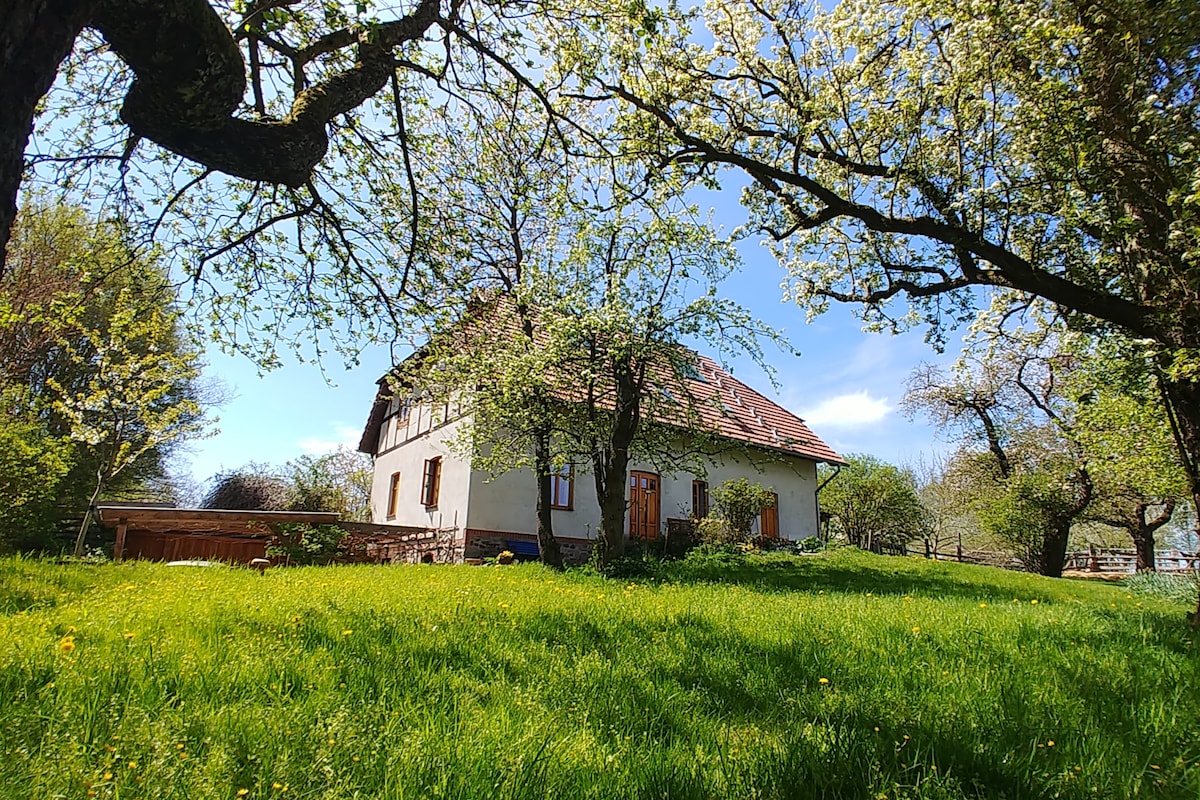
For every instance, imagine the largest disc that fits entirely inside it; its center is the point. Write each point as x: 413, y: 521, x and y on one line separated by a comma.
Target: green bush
x: 737, y: 502
x: 303, y: 544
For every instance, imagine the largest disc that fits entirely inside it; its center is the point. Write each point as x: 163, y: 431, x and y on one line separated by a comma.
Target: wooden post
x: 119, y: 547
x: 1094, y: 561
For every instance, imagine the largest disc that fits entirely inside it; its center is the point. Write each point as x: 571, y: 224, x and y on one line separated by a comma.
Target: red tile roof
x: 724, y: 405
x: 738, y: 412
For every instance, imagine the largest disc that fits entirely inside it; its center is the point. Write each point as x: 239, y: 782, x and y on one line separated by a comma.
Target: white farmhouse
x: 421, y: 482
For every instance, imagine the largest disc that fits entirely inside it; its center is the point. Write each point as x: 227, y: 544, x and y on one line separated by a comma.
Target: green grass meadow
x: 845, y: 675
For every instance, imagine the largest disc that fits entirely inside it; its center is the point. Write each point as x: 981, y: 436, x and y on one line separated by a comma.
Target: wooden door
x: 643, y: 505
x: 769, y: 519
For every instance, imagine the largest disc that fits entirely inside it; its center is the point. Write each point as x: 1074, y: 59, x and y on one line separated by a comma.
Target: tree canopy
x: 871, y: 502
x: 95, y: 370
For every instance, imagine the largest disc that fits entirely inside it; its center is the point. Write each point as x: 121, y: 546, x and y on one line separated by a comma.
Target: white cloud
x: 848, y: 411
x: 346, y: 436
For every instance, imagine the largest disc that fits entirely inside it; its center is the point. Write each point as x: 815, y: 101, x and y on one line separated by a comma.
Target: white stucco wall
x: 408, y: 458
x: 507, y: 503
x: 793, y: 479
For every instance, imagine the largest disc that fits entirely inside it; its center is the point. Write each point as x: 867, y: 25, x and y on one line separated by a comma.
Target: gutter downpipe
x: 817, y: 496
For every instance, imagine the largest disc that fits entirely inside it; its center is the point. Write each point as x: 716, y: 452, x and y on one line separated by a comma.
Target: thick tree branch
x: 190, y: 80
x: 1010, y: 270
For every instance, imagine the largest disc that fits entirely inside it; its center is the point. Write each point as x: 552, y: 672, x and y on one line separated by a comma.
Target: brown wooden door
x: 643, y: 505
x: 769, y: 519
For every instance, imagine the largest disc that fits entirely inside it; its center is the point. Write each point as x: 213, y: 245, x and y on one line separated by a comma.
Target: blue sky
x: 846, y: 384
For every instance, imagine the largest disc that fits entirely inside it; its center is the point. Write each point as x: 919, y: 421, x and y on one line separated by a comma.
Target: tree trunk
x: 548, y: 548
x: 1054, y: 549
x: 1143, y: 543
x: 87, y: 517
x: 1183, y: 409
x: 612, y: 509
x: 34, y: 39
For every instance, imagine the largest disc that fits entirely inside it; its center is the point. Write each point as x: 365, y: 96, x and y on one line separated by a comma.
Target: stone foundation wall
x: 488, y: 544
x: 395, y: 544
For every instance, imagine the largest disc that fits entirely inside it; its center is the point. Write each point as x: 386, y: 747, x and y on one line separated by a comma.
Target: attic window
x: 666, y: 393
x: 692, y: 372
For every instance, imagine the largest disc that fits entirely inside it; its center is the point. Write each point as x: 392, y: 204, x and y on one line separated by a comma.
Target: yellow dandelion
x: 1050, y: 743
x: 108, y: 776
x: 347, y: 633
x: 243, y: 792
x: 67, y: 644
x: 276, y: 785
x: 916, y: 629
x: 1033, y: 602
x: 983, y: 605
x: 129, y: 635
x: 823, y: 681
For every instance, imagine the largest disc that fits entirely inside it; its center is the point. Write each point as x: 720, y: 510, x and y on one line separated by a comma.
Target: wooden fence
x: 1112, y: 560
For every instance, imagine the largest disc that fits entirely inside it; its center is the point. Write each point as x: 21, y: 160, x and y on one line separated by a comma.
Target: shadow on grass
x: 846, y: 573
x: 691, y: 682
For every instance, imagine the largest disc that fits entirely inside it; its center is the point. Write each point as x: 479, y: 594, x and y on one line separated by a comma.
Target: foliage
x: 871, y: 501
x: 736, y: 503
x: 566, y: 290
x: 1171, y: 588
x: 705, y: 684
x: 1074, y: 427
x: 302, y: 544
x: 33, y: 466
x: 254, y: 487
x: 915, y: 151
x: 339, y: 482
x: 91, y: 353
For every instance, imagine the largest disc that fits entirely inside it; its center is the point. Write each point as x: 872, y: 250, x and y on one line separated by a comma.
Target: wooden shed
x: 160, y: 533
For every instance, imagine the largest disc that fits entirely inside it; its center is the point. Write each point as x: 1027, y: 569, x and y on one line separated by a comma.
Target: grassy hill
x: 847, y: 675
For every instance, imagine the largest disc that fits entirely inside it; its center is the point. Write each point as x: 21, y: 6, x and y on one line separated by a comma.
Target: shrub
x: 301, y: 544
x: 738, y: 502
